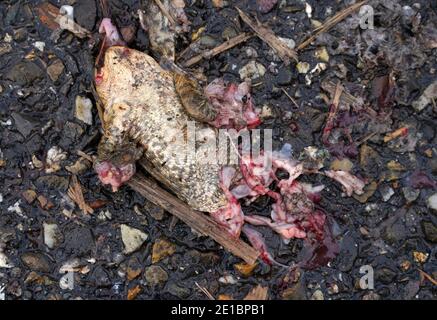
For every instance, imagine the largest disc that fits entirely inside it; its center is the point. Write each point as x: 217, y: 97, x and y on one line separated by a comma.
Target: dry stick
x: 165, y: 12
x: 219, y: 49
x: 291, y: 98
x: 268, y: 36
x: 345, y: 99
x: 330, y: 22
x: 205, y: 291
x: 333, y: 109
x: 197, y: 220
x: 427, y: 276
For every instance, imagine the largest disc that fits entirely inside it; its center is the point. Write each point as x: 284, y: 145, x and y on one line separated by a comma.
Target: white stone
x: 54, y: 157
x: 253, y: 70
x: 432, y: 202
x: 288, y: 42
x: 132, y: 238
x: 16, y: 208
x: 228, y: 279
x: 4, y: 261
x: 51, y: 235
x: 83, y: 110
x: 40, y: 45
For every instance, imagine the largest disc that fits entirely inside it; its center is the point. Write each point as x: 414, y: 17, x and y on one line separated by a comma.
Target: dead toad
x: 148, y: 112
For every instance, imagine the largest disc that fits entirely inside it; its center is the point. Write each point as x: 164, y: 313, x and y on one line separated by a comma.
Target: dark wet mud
x: 51, y: 249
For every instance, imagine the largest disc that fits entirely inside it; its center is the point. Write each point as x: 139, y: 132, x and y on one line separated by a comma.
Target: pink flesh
x: 112, y: 37
x: 289, y: 218
x: 230, y: 216
x: 257, y: 241
x: 234, y: 105
x: 349, y: 182
x: 113, y: 175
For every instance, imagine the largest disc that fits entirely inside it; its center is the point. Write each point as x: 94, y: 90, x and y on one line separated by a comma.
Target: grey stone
x: 132, y: 238
x: 24, y: 124
x: 284, y: 76
x: 54, y: 182
x: 36, y: 261
x: 156, y: 275
x: 25, y: 73
x: 430, y: 231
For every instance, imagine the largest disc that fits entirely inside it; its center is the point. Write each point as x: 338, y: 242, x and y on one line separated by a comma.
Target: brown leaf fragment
x: 98, y: 203
x: 133, y: 293
x: 162, y: 248
x: 49, y: 15
x: 245, y: 269
x: 76, y: 194
x: 257, y: 293
x: 29, y: 195
x: 45, y: 203
x: 268, y: 36
x: 401, y: 132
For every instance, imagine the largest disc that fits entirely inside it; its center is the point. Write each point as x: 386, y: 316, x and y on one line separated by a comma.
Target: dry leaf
x: 133, y: 293
x: 257, y: 293
x: 76, y: 194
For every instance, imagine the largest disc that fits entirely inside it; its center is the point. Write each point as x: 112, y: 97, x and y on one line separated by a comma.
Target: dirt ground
x: 51, y: 249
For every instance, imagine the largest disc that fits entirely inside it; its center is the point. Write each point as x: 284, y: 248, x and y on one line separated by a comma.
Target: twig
x: 165, y: 12
x: 330, y: 22
x: 205, y: 291
x: 291, y: 98
x: 219, y: 49
x: 197, y: 220
x: 366, y: 138
x: 333, y: 109
x: 268, y: 36
x: 401, y: 132
x: 76, y: 194
x: 346, y: 98
x: 82, y: 154
x: 427, y: 276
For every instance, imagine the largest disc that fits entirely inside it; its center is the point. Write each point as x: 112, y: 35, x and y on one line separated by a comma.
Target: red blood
x: 99, y: 78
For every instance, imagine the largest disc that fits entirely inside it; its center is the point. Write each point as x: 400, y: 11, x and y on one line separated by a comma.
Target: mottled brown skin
x: 143, y: 111
x: 193, y: 99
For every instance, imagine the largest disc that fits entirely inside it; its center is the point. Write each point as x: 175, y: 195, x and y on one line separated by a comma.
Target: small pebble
x: 317, y: 295
x: 132, y: 238
x: 83, y: 110
x: 253, y: 70
x: 40, y: 45
x: 432, y: 202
